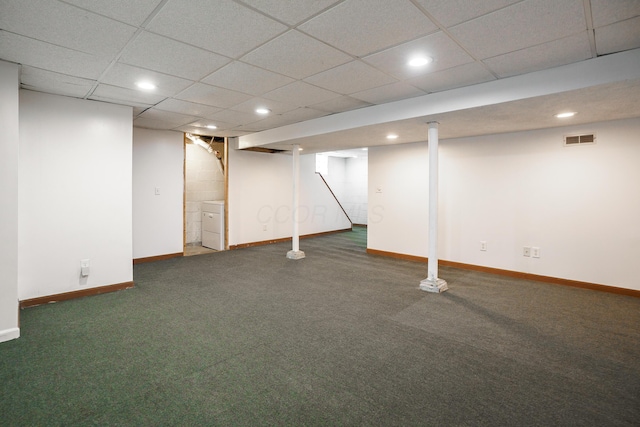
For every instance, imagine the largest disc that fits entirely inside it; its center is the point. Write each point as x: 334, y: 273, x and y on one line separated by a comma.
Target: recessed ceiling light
x: 419, y: 61
x: 146, y: 85
x: 565, y: 115
x: 392, y: 136
x: 263, y: 110
x: 212, y: 127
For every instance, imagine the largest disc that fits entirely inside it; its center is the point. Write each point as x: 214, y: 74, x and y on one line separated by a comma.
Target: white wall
x: 204, y: 181
x: 158, y: 158
x: 75, y: 185
x: 398, y: 199
x: 580, y: 205
x: 347, y: 178
x: 355, y: 196
x: 336, y: 176
x: 9, y: 139
x: 260, y: 198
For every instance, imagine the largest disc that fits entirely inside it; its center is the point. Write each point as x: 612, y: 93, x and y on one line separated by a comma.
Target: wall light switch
x: 157, y: 191
x: 378, y: 189
x: 85, y: 267
x: 526, y: 251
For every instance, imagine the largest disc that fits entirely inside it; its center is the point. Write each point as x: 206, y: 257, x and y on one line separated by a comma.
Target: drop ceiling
x: 215, y: 62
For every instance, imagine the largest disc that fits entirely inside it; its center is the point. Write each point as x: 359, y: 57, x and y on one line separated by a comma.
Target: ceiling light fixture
x: 262, y: 110
x: 146, y: 85
x: 392, y: 136
x: 565, y: 115
x: 212, y: 127
x: 419, y: 61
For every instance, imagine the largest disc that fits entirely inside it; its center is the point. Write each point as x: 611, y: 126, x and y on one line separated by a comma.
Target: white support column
x: 432, y: 283
x: 295, y: 252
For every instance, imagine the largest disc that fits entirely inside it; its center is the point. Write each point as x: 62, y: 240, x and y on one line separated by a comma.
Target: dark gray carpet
x: 248, y: 337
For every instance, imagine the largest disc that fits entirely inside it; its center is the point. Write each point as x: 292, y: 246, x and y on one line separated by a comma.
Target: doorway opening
x: 346, y: 174
x: 205, y: 194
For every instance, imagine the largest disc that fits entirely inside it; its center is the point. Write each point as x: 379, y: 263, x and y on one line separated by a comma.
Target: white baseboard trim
x: 9, y: 334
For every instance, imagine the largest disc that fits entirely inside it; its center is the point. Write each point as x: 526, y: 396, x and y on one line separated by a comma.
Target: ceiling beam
x: 598, y: 71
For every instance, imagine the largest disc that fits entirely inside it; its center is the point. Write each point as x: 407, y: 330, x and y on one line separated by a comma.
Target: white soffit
x: 608, y: 69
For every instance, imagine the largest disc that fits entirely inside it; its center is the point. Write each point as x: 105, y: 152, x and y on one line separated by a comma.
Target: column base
x: 433, y: 285
x: 295, y: 254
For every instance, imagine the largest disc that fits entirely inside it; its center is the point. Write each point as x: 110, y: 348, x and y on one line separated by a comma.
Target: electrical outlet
x: 535, y: 252
x: 526, y: 251
x: 483, y: 245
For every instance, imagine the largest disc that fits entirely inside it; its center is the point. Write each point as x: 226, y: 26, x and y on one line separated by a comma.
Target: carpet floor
x: 248, y: 337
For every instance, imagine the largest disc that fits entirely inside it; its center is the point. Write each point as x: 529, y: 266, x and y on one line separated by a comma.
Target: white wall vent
x: 589, y: 138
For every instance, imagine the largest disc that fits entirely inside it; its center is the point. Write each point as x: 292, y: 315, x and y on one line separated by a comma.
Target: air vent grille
x: 580, y: 139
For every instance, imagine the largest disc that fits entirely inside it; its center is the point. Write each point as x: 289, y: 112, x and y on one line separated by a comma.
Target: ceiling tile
x: 296, y: 55
x: 173, y: 118
x: 444, y: 51
x: 388, y: 93
x: 548, y: 55
x: 127, y: 76
x: 352, y: 77
x: 605, y: 12
x: 27, y: 51
x: 153, y: 124
x: 520, y: 26
x: 301, y: 94
x: 171, y: 57
x: 464, y: 75
x: 235, y: 117
x: 138, y: 110
x: 618, y: 37
x: 47, y: 81
x: 223, y: 26
x: 232, y: 133
x: 202, y: 131
x: 65, y: 25
x: 131, y: 12
x: 361, y: 27
x: 290, y: 12
x: 201, y: 93
x: 202, y: 124
x: 136, y: 97
x: 452, y: 12
x: 294, y: 116
x: 252, y: 104
x: 246, y: 78
x: 188, y: 108
x: 338, y: 105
